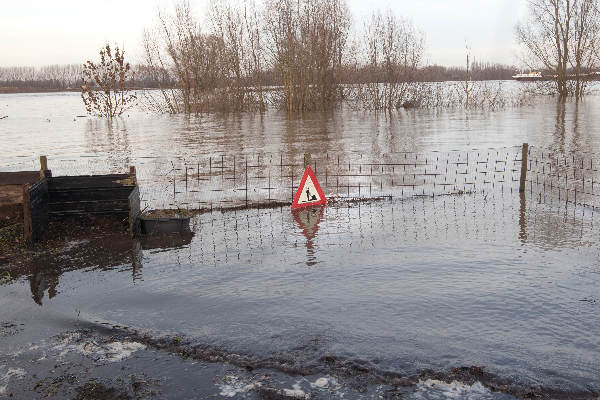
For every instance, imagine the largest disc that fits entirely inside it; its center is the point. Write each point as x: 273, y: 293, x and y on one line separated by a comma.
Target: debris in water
x: 232, y: 385
x: 321, y: 382
x: 286, y: 394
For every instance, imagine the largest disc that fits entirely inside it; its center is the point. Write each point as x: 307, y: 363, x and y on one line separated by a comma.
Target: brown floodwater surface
x: 387, y: 287
x: 49, y: 124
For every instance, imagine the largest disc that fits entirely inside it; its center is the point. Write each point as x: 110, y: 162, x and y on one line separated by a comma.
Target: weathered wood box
x: 59, y: 198
x: 11, y: 192
x: 95, y: 195
x: 37, y: 198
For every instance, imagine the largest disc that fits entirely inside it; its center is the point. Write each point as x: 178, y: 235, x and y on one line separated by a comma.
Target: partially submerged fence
x: 208, y: 182
x: 231, y: 181
x: 556, y: 176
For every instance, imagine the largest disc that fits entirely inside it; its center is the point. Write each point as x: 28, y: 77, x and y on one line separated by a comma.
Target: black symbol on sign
x: 309, y: 197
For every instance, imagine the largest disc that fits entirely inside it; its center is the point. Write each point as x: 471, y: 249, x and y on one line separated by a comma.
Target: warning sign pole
x: 306, y: 159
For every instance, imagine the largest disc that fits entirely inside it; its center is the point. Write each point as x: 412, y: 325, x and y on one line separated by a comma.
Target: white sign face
x: 309, y: 192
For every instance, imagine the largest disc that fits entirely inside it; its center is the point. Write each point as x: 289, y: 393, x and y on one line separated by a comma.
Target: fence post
x: 523, y: 168
x: 44, y: 171
x: 133, y: 175
x: 27, y: 222
x: 306, y: 159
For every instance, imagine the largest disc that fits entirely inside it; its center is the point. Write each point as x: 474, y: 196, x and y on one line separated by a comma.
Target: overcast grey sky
x: 40, y: 32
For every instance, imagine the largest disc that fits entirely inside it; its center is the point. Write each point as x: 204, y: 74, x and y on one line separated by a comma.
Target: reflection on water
x: 104, y: 253
x: 455, y: 280
x: 242, y: 238
x: 253, y: 237
x: 559, y: 126
x: 41, y: 281
x: 560, y: 133
x: 522, y: 218
x: 308, y: 220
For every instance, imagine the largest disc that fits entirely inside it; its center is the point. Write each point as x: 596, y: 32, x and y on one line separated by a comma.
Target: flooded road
x: 398, y: 287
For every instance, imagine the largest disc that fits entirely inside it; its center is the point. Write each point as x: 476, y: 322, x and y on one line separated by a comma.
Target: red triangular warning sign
x: 309, y: 192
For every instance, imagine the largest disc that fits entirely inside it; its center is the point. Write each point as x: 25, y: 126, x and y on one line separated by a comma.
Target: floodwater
x: 48, y: 124
x: 400, y: 286
x: 382, y: 288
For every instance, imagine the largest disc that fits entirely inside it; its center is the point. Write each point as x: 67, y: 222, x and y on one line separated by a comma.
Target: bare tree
x: 215, y: 68
x: 393, y: 51
x: 307, y: 39
x: 105, y: 90
x: 183, y: 59
x: 239, y: 28
x: 561, y: 36
x: 585, y: 43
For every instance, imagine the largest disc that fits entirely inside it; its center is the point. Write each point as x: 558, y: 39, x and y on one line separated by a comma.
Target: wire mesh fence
x: 233, y: 237
x: 223, y: 181
x: 556, y: 176
x: 229, y: 181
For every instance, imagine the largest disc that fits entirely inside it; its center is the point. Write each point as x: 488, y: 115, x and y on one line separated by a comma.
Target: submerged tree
x: 562, y: 36
x: 190, y: 64
x: 238, y: 26
x: 393, y: 50
x: 106, y: 85
x: 307, y: 43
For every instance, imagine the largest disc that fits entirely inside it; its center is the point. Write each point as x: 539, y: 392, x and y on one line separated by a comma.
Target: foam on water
x: 432, y: 389
x: 108, y: 352
x: 233, y: 385
x: 11, y: 373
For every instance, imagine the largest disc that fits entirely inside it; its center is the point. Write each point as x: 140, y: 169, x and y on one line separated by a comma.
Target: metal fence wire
x: 231, y: 181
x: 226, y: 181
x: 207, y: 182
x: 556, y: 176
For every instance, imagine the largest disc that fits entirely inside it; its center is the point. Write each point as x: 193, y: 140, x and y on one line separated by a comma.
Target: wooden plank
x: 27, y: 222
x: 19, y: 178
x: 95, y: 194
x: 523, y: 179
x: 90, y: 206
x: 87, y: 182
x: 11, y: 195
x: 35, y: 210
x: 134, y: 211
x: 38, y: 195
x: 58, y: 215
x: 80, y: 182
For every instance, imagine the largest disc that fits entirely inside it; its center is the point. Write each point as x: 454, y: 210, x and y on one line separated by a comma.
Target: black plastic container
x: 164, y: 225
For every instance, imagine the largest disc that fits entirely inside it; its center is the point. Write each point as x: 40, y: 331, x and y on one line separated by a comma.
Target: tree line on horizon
x: 303, y: 55
x: 63, y: 77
